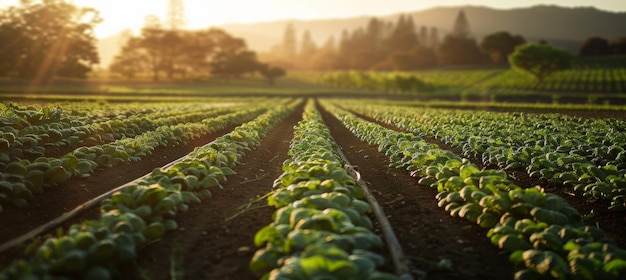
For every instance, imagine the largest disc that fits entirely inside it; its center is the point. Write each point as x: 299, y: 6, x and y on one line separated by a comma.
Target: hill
x: 561, y: 26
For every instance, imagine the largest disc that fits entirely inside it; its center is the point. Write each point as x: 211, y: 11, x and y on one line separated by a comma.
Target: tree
x: 231, y: 57
x: 461, y: 26
x: 458, y: 48
x: 500, y: 44
x: 45, y: 38
x: 594, y: 46
x: 618, y: 45
x: 540, y: 60
x: 459, y: 51
x: 308, y: 48
x: 433, y: 42
x: 290, y: 42
x: 403, y: 37
x: 419, y: 58
x: 176, y: 15
x: 130, y: 61
x: 271, y: 73
x: 234, y: 65
x: 326, y: 56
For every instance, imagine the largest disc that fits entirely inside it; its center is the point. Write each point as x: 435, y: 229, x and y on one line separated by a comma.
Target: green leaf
x: 468, y: 170
x: 265, y: 260
x: 268, y: 234
x: 616, y: 267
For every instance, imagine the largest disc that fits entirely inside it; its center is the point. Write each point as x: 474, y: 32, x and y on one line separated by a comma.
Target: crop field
x: 311, y: 188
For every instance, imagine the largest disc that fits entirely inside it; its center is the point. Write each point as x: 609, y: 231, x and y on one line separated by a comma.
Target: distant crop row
x: 145, y: 210
x: 541, y: 231
x: 586, y: 155
x: 577, y: 80
x: 587, y: 80
x: 115, y: 141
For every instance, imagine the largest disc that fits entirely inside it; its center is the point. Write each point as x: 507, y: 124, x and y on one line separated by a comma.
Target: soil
x: 215, y: 238
x: 595, y: 212
x: 60, y: 199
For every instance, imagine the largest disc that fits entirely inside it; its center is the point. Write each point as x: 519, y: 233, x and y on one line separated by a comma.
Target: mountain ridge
x: 562, y: 26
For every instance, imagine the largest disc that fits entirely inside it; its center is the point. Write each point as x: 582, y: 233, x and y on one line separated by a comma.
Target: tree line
x: 165, y: 51
x: 43, y: 39
x: 385, y: 45
x: 54, y: 38
x: 401, y: 45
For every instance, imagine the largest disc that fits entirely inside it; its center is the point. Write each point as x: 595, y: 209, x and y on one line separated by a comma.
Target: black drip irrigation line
x: 395, y: 250
x: 81, y: 208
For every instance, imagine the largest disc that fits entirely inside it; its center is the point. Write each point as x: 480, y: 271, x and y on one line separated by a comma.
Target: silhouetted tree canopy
x: 271, y: 73
x: 47, y: 38
x: 619, y: 45
x: 540, y: 60
x: 455, y: 50
x: 500, y: 44
x: 211, y: 51
x: 595, y: 46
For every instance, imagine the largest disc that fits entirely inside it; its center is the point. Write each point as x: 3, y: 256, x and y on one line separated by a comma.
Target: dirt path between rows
x: 206, y: 246
x: 595, y: 212
x: 58, y: 200
x: 426, y: 232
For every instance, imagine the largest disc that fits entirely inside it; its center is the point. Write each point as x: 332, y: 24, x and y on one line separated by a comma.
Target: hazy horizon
x: 201, y: 14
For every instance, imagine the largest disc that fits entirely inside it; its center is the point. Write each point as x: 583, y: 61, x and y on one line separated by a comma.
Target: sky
x: 129, y: 14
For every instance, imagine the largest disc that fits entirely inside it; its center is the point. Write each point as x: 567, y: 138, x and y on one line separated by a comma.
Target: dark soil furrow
x: 595, y: 212
x: 427, y: 233
x: 58, y: 200
x: 206, y: 246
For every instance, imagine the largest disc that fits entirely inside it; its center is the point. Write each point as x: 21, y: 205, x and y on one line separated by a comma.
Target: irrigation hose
x: 80, y: 209
x: 395, y: 250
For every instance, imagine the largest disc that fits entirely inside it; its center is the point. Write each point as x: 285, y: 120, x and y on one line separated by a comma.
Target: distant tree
x: 234, y: 65
x: 433, y: 41
x: 455, y: 50
x: 500, y: 44
x: 176, y: 15
x: 595, y: 46
x: 423, y: 36
x: 461, y: 27
x: 211, y: 51
x: 403, y: 37
x: 326, y: 56
x: 130, y: 61
x: 618, y: 46
x: 271, y: 73
x: 540, y: 60
x: 41, y: 39
x: 458, y: 48
x: 290, y: 42
x: 424, y: 57
x: 308, y: 48
x: 420, y: 57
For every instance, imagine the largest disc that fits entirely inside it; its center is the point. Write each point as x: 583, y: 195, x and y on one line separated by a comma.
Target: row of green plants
x: 586, y: 155
x: 575, y: 80
x: 504, y: 106
x: 35, y: 140
x: 321, y: 227
x: 22, y: 179
x: 389, y: 82
x: 541, y: 231
x: 589, y: 80
x: 144, y: 211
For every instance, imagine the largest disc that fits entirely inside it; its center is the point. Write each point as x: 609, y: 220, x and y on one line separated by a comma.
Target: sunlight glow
x: 129, y: 14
